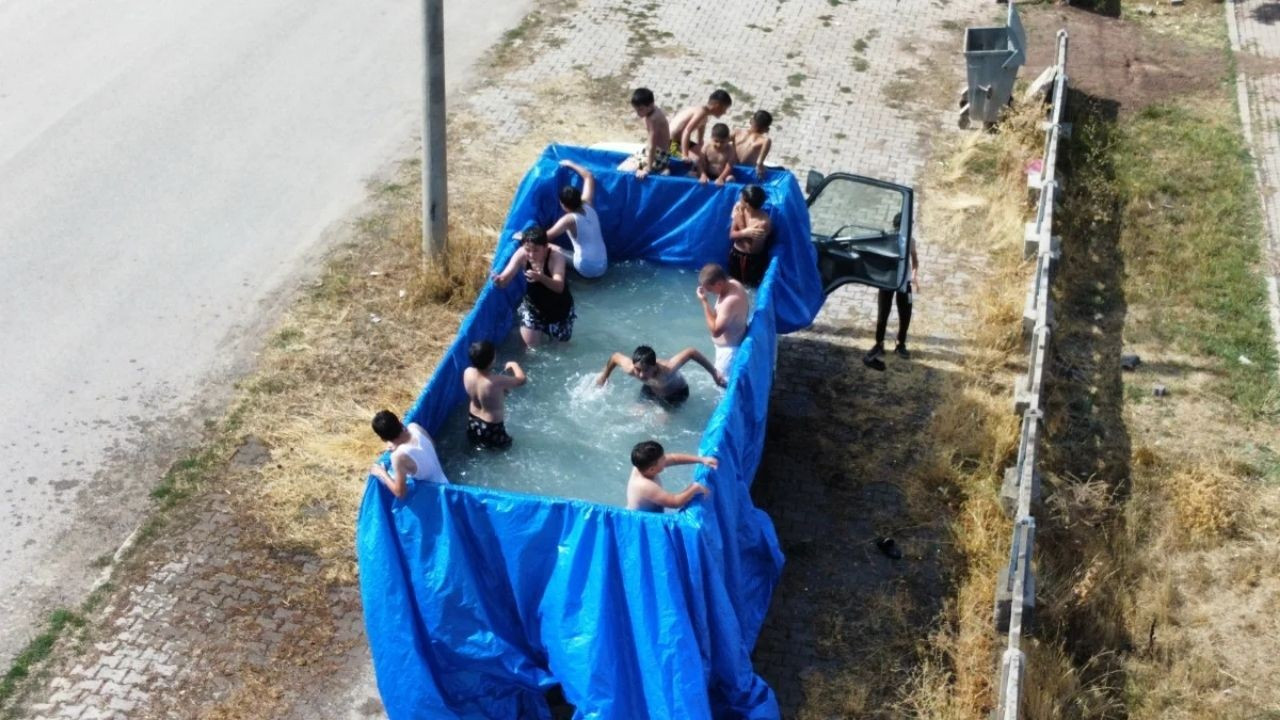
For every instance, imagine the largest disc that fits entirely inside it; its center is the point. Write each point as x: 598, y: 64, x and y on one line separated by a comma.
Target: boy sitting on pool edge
x: 644, y: 488
x: 661, y: 379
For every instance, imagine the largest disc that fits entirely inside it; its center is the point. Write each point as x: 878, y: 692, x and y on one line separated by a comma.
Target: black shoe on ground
x: 876, y: 351
x: 889, y: 548
x: 902, y: 352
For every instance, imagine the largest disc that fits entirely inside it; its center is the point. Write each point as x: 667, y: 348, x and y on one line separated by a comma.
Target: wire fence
x: 1016, y: 587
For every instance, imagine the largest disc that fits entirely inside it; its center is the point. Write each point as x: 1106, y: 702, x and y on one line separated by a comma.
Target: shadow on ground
x: 841, y: 633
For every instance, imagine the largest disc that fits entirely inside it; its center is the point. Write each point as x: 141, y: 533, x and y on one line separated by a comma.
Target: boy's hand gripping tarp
x: 477, y: 601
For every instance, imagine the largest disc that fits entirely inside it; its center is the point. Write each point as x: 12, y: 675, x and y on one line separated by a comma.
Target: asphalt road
x: 166, y: 169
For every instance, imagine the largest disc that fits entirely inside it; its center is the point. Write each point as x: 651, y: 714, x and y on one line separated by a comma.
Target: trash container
x: 992, y: 57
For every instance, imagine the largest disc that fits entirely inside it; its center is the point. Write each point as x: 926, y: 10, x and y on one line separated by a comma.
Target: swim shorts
x: 748, y: 269
x: 724, y: 358
x: 532, y: 319
x: 675, y: 398
x: 487, y: 434
x: 661, y: 159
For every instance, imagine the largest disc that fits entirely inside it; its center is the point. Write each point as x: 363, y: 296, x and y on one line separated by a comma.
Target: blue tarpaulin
x: 477, y: 601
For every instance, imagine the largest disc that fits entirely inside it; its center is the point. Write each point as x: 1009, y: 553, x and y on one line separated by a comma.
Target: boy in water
x: 487, y: 390
x: 412, y: 455
x: 547, y: 308
x: 690, y: 123
x: 718, y: 157
x: 590, y: 257
x: 656, y: 155
x: 644, y: 489
x: 754, y: 143
x: 727, y: 320
x: 749, y: 231
x: 661, y: 379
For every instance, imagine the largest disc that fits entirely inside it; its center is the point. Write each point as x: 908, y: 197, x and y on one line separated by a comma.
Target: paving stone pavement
x: 1255, y: 37
x: 843, y: 80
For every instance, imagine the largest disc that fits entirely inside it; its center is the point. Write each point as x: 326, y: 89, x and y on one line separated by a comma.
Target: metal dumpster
x: 992, y: 57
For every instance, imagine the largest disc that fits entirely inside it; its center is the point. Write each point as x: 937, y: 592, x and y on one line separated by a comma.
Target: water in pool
x: 573, y: 439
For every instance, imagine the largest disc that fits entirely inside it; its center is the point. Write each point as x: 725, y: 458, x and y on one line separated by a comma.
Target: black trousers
x: 884, y: 304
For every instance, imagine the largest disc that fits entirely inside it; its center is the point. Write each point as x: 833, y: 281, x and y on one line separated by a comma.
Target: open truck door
x: 861, y: 228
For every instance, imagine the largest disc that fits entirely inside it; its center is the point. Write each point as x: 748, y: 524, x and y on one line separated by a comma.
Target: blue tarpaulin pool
x: 477, y: 601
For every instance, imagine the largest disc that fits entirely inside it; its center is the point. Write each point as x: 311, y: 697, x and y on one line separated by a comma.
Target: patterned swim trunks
x: 487, y: 434
x: 532, y: 319
x: 661, y: 159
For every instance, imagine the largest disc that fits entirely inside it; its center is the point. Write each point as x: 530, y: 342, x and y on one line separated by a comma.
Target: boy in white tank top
x: 590, y: 257
x: 412, y: 454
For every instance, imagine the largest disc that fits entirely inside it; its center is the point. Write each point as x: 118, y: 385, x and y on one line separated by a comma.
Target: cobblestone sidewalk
x: 853, y: 86
x: 1255, y: 37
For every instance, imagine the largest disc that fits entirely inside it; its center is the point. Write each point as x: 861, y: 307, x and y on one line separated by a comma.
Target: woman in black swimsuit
x: 547, y: 308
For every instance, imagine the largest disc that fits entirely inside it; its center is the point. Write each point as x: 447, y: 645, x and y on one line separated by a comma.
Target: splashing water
x: 573, y: 439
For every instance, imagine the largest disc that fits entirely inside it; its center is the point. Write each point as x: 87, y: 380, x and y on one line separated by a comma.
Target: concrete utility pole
x: 435, y: 186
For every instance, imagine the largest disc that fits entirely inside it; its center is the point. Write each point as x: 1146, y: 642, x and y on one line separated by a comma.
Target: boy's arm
x: 588, y: 180
x: 503, y: 278
x: 616, y: 360
x: 515, y: 379
x: 396, y: 483
x: 679, y: 359
x: 561, y: 226
x: 704, y: 169
x: 708, y: 313
x: 655, y: 494
x: 764, y: 152
x: 556, y: 281
x: 650, y: 148
x: 686, y: 459
x: 697, y: 126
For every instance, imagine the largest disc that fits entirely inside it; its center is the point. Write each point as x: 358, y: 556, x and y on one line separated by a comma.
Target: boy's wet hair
x: 571, y: 197
x: 535, y: 234
x: 640, y: 97
x: 711, y: 274
x: 481, y: 354
x: 762, y: 120
x: 644, y: 356
x: 387, y: 425
x: 753, y: 195
x: 720, y: 131
x: 645, y: 454
x: 722, y: 97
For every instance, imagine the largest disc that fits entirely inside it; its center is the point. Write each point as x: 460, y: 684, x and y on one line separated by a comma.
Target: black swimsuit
x: 546, y: 310
x: 487, y: 434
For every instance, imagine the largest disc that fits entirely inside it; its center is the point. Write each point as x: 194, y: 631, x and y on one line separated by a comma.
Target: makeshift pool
x: 477, y: 600
x: 572, y: 438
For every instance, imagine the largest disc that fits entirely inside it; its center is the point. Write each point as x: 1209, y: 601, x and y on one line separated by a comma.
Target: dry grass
x: 973, y: 432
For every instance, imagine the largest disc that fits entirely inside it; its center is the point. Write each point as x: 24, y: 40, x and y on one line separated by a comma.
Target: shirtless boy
x: 727, y: 319
x: 662, y: 379
x: 412, y: 455
x: 487, y: 390
x: 656, y: 155
x: 644, y: 489
x: 718, y: 157
x: 689, y: 124
x: 749, y: 231
x: 754, y: 143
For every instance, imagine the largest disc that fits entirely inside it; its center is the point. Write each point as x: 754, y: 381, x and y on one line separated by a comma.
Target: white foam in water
x: 573, y: 439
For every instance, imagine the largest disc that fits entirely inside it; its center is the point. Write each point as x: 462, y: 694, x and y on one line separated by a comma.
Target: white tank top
x: 589, y: 255
x: 423, y: 454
